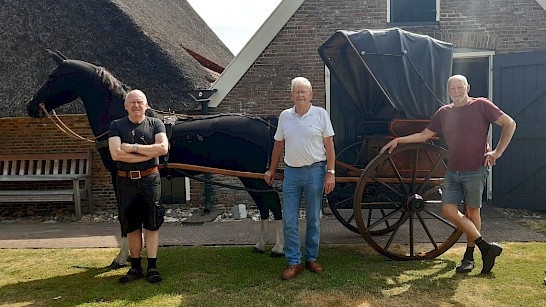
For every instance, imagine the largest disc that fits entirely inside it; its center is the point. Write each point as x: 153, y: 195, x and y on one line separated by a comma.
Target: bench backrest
x: 46, y: 164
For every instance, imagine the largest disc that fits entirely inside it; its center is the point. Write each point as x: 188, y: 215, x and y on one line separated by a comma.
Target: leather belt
x: 306, y: 166
x: 138, y: 174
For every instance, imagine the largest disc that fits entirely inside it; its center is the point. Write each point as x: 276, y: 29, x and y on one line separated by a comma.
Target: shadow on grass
x: 233, y: 276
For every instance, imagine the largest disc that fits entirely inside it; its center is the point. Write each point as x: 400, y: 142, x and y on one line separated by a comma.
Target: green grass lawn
x: 233, y: 276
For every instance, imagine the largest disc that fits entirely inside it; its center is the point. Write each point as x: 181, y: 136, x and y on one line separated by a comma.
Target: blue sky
x: 234, y: 21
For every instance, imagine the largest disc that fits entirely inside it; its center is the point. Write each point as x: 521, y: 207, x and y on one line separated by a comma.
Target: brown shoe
x: 314, y: 267
x: 291, y: 271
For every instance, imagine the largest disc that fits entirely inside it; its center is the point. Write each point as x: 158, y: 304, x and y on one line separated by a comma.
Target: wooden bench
x: 37, y: 170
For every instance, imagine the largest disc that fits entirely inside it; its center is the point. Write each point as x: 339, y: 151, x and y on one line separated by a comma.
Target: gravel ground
x: 177, y: 214
x: 173, y: 215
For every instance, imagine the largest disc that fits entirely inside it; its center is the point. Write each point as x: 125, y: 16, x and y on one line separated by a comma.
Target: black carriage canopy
x: 407, y: 70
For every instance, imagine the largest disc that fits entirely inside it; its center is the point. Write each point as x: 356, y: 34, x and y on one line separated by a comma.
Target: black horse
x: 233, y: 142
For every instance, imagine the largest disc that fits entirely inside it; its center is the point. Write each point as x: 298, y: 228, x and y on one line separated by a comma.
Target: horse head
x: 101, y: 93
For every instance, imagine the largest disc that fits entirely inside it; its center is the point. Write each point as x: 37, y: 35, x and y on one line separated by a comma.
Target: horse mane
x: 115, y: 86
x: 118, y: 88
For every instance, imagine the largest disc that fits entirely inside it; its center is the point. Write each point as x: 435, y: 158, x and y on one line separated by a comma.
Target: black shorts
x: 139, y: 203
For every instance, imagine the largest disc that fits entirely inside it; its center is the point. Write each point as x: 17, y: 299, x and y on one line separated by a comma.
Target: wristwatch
x: 332, y: 171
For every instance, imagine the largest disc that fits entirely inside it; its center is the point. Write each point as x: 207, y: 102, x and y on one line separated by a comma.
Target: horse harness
x: 164, y: 160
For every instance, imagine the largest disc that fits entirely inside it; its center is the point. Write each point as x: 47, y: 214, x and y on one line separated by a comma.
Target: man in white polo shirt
x: 305, y: 132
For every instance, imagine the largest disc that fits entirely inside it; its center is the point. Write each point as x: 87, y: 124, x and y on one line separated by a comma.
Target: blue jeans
x: 297, y: 182
x: 465, y: 185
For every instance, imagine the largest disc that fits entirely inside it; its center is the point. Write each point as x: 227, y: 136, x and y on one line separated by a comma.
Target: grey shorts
x: 467, y: 186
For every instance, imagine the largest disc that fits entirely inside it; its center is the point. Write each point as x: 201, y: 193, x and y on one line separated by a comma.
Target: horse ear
x: 61, y: 55
x: 58, y: 57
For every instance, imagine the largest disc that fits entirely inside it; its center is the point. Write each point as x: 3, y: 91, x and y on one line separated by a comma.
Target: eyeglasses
x: 301, y: 92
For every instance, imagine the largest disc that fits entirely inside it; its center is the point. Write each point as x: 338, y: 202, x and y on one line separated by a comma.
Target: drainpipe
x: 203, y: 96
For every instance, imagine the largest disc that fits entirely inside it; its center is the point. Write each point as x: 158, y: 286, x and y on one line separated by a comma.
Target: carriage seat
x: 402, y: 127
x: 373, y: 143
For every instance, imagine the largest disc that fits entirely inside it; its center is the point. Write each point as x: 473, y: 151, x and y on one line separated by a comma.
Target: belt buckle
x: 134, y: 175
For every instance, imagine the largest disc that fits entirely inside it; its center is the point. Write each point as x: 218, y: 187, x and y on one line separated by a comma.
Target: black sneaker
x: 133, y: 274
x: 489, y: 257
x: 465, y: 266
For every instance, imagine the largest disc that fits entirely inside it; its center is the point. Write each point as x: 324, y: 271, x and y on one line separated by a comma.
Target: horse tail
x: 272, y: 122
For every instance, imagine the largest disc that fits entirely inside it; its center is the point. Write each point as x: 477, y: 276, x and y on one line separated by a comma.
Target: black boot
x: 467, y: 264
x: 490, y: 251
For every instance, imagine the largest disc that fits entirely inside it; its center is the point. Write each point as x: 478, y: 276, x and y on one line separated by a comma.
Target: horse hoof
x: 114, y: 265
x: 276, y: 255
x: 257, y: 251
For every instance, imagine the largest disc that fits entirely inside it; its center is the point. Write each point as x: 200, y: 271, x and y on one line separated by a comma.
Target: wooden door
x: 519, y: 89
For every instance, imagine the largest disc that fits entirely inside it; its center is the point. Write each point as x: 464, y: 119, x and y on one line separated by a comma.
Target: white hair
x: 300, y: 81
x: 457, y: 77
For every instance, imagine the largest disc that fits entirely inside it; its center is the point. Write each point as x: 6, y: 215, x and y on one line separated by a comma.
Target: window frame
x: 413, y: 23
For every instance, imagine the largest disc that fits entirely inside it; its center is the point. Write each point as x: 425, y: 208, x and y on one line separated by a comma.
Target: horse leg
x: 121, y: 259
x: 278, y: 249
x: 260, y: 246
x: 267, y: 200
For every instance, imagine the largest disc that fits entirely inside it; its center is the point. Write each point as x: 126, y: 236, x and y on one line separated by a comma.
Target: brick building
x: 499, y: 45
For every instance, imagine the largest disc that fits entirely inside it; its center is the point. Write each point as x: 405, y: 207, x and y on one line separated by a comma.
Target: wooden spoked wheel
x: 340, y: 201
x: 397, y: 203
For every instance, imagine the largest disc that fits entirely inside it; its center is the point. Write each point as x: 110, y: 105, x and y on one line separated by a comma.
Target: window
x: 413, y: 11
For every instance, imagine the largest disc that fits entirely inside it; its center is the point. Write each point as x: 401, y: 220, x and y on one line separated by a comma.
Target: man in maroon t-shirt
x: 465, y: 125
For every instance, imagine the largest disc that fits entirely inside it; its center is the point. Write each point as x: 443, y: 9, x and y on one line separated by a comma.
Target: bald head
x: 457, y: 78
x: 458, y: 89
x: 136, y: 105
x: 135, y: 94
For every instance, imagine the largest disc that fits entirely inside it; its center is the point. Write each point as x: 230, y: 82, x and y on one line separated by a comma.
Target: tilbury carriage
x: 385, y: 84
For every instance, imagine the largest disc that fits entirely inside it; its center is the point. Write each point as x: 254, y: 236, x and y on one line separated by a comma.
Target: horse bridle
x: 65, y: 129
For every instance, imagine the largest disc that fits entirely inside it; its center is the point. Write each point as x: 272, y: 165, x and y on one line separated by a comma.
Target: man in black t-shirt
x: 135, y: 143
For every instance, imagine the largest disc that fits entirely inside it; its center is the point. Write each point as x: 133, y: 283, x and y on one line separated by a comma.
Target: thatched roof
x: 151, y: 45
